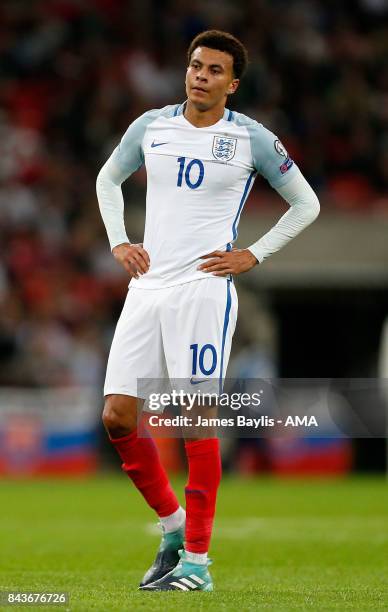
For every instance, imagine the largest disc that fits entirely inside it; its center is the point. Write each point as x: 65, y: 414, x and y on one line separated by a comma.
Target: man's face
x: 209, y: 78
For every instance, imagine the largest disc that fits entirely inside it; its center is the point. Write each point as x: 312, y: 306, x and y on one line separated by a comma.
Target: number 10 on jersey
x: 193, y: 170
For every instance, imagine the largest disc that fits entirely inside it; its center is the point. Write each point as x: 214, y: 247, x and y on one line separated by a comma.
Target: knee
x: 119, y: 417
x: 111, y: 415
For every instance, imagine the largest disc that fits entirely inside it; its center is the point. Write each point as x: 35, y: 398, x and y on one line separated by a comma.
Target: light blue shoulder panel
x: 128, y: 155
x: 269, y: 156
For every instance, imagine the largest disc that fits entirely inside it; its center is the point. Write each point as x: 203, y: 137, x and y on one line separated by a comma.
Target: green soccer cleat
x: 167, y: 556
x: 185, y: 576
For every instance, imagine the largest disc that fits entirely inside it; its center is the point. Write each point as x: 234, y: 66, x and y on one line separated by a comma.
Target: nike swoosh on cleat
x: 157, y: 144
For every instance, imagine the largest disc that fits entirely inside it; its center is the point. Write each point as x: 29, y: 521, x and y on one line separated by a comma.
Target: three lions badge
x: 224, y: 148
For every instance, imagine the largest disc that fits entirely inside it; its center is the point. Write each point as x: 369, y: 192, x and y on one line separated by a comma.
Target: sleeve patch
x: 286, y: 166
x: 280, y: 148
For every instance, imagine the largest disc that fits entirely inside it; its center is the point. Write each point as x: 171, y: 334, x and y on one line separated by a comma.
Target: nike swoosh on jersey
x: 198, y: 382
x: 157, y: 144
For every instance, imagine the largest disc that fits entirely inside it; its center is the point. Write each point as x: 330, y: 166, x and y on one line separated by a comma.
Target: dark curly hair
x: 222, y: 41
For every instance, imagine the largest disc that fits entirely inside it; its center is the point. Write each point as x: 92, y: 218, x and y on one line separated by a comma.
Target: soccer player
x: 180, y: 312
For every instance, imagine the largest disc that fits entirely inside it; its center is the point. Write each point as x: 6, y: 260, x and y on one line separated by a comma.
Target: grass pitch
x: 277, y: 545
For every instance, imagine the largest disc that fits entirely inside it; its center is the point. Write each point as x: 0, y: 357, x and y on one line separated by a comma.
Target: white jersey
x: 198, y: 180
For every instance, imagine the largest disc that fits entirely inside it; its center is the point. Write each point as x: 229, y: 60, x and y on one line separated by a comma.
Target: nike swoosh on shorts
x: 198, y: 382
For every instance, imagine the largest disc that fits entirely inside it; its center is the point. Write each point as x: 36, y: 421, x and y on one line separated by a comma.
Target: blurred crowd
x: 75, y: 73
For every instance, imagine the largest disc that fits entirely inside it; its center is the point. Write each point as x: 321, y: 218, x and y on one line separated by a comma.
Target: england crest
x: 224, y: 148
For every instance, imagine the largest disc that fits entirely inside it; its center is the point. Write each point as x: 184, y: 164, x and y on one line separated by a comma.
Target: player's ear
x: 233, y: 86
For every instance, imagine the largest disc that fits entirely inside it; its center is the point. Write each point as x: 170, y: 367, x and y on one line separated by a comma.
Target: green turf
x: 278, y: 545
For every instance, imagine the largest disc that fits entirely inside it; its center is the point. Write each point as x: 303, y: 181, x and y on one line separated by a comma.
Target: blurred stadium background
x: 73, y: 75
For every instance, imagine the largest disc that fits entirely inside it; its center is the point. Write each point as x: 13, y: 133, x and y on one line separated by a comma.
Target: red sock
x: 143, y: 466
x: 201, y: 492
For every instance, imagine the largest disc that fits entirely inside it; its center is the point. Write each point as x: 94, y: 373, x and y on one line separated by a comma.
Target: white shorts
x: 180, y: 333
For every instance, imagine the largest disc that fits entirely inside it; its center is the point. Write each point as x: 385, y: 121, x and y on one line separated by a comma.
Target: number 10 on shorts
x: 201, y: 356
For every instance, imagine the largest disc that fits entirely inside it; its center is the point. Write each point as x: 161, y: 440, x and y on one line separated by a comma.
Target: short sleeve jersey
x: 198, y: 180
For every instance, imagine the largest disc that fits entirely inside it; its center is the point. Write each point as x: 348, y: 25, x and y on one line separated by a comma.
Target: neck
x: 204, y: 118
